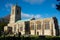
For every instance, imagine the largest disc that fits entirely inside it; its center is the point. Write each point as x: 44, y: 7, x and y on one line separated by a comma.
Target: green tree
x: 58, y: 5
x: 2, y: 24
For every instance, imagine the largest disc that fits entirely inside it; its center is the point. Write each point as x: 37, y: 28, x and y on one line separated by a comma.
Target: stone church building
x: 46, y: 26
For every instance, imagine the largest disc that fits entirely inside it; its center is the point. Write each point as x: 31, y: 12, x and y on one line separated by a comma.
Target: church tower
x: 15, y: 14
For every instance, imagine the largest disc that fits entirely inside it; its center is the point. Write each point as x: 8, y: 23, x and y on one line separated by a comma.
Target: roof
x: 23, y: 20
x: 29, y: 20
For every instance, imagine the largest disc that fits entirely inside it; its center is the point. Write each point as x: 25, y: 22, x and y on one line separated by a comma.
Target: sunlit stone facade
x: 43, y: 27
x: 46, y: 26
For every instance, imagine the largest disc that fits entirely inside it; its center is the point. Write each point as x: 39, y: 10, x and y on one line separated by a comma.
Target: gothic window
x: 12, y: 11
x: 47, y: 25
x: 21, y: 28
x: 32, y: 26
x: 17, y: 11
x: 38, y: 25
x: 14, y: 28
x: 10, y: 29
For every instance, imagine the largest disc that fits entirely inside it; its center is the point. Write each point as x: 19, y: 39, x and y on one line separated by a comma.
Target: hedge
x: 31, y: 38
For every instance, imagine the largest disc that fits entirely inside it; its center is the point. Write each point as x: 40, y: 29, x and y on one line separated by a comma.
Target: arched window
x: 21, y: 27
x: 32, y: 26
x: 12, y: 11
x: 14, y: 28
x: 38, y: 25
x: 17, y: 11
x: 9, y: 29
x: 47, y: 26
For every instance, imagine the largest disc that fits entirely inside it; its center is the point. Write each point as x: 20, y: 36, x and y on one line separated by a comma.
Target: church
x: 45, y: 26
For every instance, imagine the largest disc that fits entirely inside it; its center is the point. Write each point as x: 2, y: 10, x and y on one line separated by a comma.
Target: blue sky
x: 31, y: 8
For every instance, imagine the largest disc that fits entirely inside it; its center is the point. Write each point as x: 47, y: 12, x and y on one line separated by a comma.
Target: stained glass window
x: 32, y: 26
x: 47, y: 25
x: 38, y: 25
